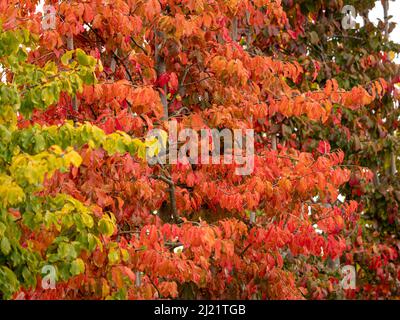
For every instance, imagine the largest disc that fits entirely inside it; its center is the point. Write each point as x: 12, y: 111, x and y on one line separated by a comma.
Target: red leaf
x: 163, y: 79
x: 324, y: 147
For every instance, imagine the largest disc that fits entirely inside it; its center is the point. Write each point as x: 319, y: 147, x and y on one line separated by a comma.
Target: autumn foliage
x: 76, y: 193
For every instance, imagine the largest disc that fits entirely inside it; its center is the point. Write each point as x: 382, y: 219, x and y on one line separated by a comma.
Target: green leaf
x: 66, y: 57
x: 40, y: 144
x: 113, y: 256
x: 87, y: 220
x: 82, y: 58
x: 2, y: 229
x: 106, y: 227
x: 67, y: 251
x: 8, y: 282
x: 5, y: 246
x: 92, y: 241
x: 47, y: 96
x: 22, y: 54
x: 77, y: 267
x: 28, y: 277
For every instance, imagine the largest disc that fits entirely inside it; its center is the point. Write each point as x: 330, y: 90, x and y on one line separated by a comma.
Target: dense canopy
x: 83, y: 83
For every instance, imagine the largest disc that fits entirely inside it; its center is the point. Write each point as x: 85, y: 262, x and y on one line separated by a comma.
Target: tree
x: 37, y: 228
x: 368, y: 136
x: 180, y: 230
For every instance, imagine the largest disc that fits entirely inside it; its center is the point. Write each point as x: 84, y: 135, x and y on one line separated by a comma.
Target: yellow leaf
x: 74, y: 158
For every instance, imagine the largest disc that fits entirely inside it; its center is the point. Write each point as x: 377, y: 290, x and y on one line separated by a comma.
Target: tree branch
x: 113, y: 53
x: 171, y: 191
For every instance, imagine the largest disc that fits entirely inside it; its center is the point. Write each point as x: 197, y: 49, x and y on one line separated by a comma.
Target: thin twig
x: 138, y: 45
x: 113, y: 53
